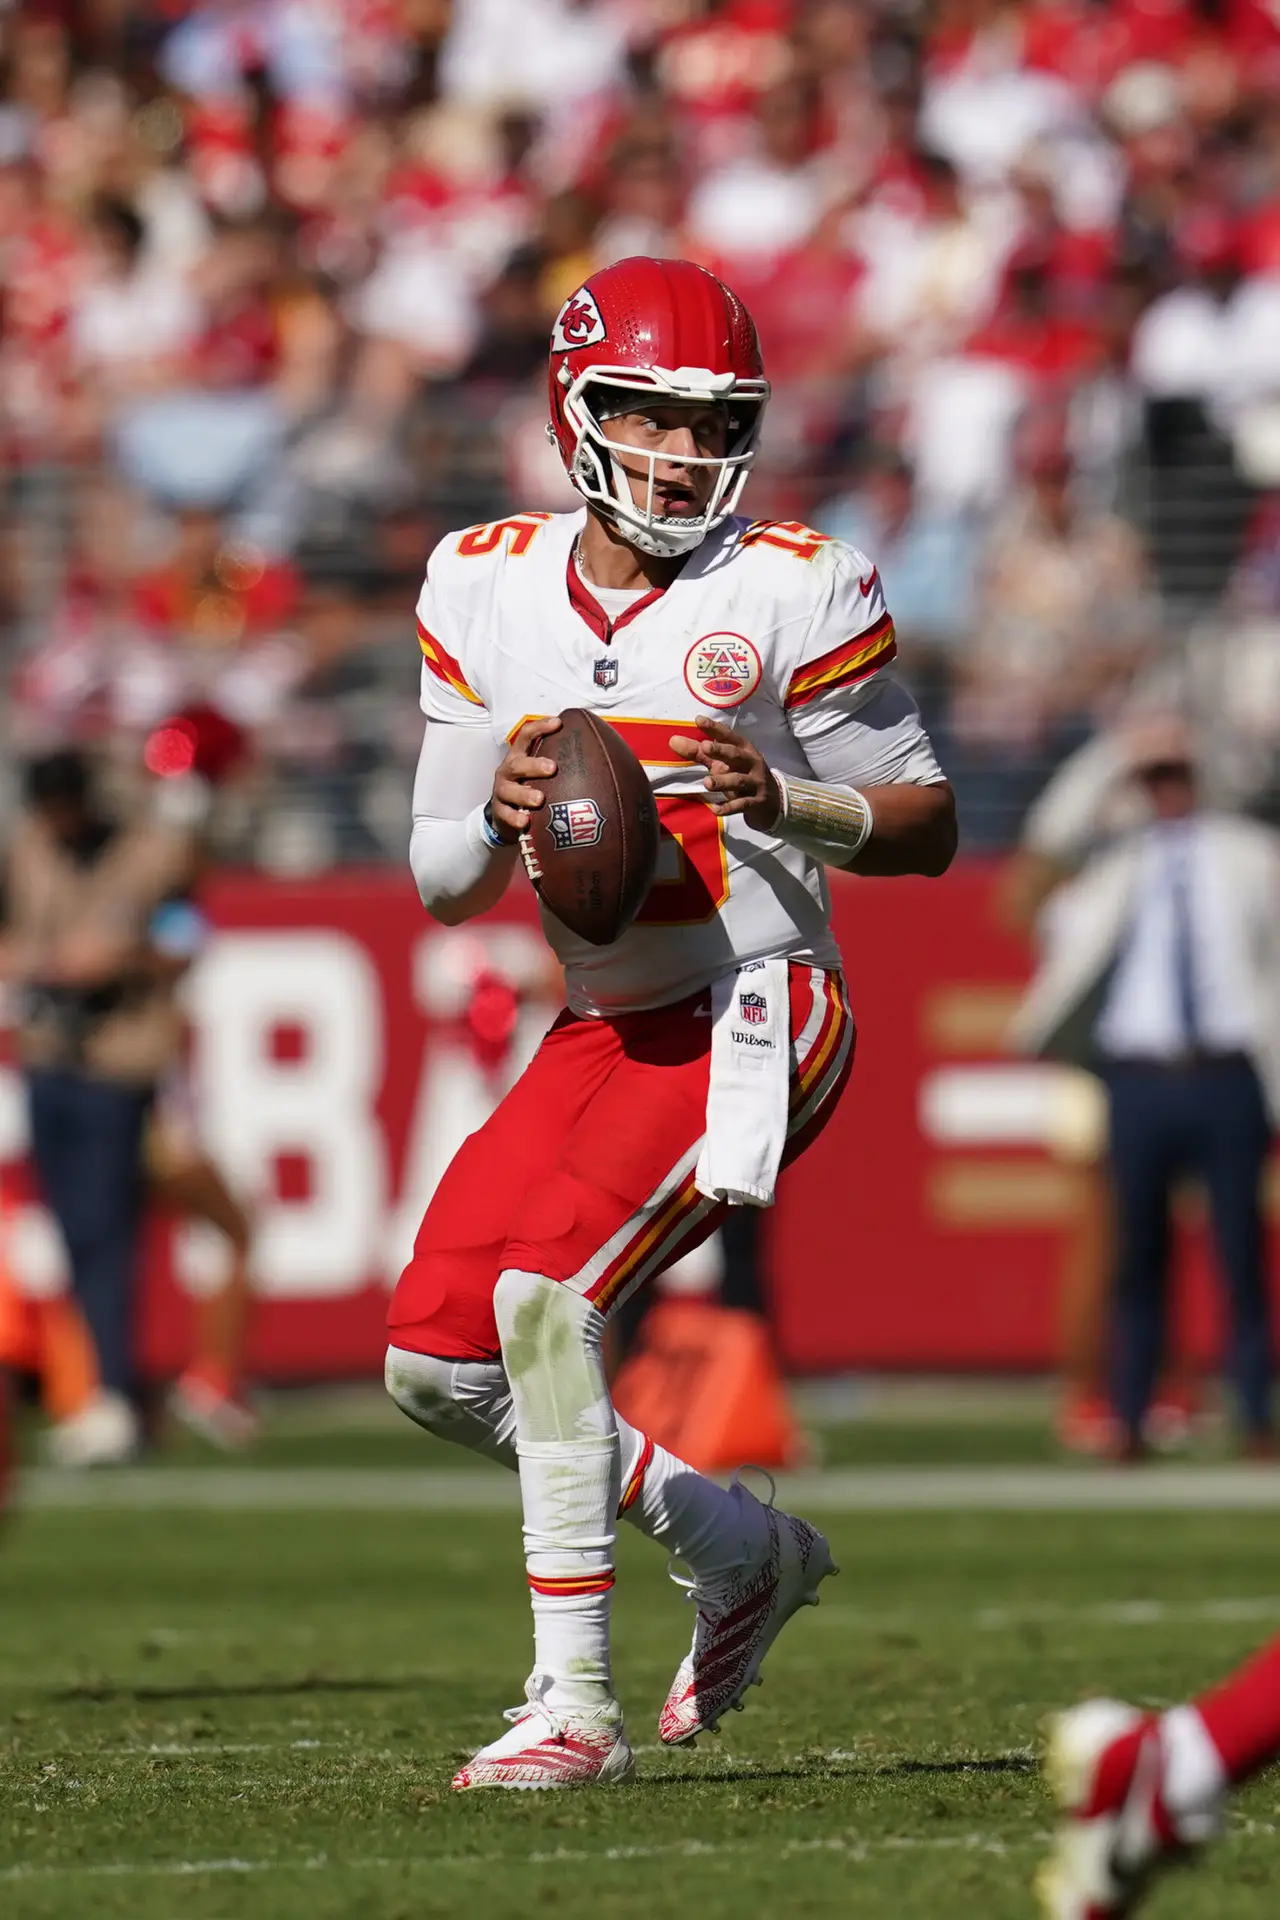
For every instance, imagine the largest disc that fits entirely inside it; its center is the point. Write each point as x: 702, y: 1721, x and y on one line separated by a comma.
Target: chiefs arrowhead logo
x: 578, y: 323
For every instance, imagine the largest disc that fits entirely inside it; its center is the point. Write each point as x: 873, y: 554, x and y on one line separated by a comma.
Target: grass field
x: 255, y: 1715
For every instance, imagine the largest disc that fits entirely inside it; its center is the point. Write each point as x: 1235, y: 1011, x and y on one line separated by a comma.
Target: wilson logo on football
x: 722, y: 669
x: 578, y: 323
x: 754, y: 1008
x: 574, y: 823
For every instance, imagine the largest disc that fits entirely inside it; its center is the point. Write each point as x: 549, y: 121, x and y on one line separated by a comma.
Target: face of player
x: 675, y: 431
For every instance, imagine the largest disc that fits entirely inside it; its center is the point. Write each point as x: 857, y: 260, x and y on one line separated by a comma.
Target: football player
x: 748, y: 666
x: 1139, y: 1791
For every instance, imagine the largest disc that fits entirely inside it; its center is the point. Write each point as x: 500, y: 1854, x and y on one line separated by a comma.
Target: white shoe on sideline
x: 104, y: 1433
x: 205, y: 1409
x: 552, y: 1747
x: 739, y: 1621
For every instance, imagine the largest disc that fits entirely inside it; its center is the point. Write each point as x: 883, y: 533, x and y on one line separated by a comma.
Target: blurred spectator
x: 1065, y: 617
x: 1170, y: 972
x: 95, y: 1030
x: 770, y: 198
x: 134, y: 317
x: 926, y: 555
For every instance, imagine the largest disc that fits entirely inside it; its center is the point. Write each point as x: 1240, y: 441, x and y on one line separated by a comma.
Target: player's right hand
x: 516, y: 794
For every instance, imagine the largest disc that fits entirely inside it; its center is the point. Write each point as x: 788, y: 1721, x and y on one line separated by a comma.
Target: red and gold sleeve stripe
x: 843, y: 665
x: 444, y: 666
x: 631, y: 1492
x: 571, y: 1586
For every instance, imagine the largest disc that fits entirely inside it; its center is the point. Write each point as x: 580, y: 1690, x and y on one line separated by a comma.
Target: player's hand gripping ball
x: 591, y: 847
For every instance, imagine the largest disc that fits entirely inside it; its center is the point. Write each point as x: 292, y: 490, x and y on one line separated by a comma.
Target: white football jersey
x: 770, y: 626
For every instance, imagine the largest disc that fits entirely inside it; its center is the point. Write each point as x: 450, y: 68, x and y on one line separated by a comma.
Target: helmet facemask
x: 597, y: 469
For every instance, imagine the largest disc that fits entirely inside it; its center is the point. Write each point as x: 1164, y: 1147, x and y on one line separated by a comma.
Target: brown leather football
x: 592, y: 848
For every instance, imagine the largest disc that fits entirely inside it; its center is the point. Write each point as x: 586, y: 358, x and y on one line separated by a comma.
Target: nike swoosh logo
x: 702, y: 1013
x: 867, y: 582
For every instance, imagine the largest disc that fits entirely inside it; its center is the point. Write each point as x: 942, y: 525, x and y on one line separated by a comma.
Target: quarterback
x: 747, y: 666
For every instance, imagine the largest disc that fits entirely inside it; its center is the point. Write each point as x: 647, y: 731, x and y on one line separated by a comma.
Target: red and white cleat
x: 552, y: 1747
x: 1106, y: 1766
x: 737, y: 1625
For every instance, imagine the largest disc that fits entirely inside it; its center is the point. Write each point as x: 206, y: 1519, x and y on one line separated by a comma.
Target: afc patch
x: 579, y: 323
x: 722, y: 669
x: 574, y: 823
x: 754, y: 1008
x: 605, y: 674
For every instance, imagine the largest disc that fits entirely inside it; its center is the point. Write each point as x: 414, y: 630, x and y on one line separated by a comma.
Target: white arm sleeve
x: 449, y: 855
x: 868, y: 737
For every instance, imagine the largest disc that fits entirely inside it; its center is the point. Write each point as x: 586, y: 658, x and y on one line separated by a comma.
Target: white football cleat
x: 104, y: 1432
x: 739, y: 1622
x: 1105, y: 1765
x: 552, y: 1747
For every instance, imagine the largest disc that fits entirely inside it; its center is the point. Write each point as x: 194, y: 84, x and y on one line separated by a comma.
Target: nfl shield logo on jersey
x: 574, y: 823
x: 605, y: 674
x: 754, y: 1008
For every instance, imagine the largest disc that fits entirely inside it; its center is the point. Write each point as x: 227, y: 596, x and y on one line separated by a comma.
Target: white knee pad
x: 551, y: 1339
x: 466, y: 1401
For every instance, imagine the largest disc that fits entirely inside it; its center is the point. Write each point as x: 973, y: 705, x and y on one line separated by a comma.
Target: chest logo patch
x: 574, y: 823
x: 722, y: 669
x: 605, y: 674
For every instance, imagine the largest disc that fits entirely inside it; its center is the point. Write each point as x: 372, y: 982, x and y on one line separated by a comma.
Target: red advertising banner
x: 335, y: 1073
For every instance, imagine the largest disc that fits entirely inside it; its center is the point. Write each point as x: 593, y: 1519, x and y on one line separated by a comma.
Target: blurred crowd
x: 277, y: 276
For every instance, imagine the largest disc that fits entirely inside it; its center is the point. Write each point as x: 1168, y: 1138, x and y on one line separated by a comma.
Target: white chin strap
x: 597, y: 472
x: 597, y: 463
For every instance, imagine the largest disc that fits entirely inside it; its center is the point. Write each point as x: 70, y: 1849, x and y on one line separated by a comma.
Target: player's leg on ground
x: 570, y: 1732
x: 570, y: 1478
x: 469, y: 1402
x: 1139, y: 1789
x: 740, y: 1613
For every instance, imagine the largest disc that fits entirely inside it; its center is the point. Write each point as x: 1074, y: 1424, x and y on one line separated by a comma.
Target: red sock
x: 1243, y: 1714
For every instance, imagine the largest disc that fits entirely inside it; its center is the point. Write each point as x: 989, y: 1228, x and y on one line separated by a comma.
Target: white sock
x: 1195, y: 1780
x: 701, y: 1523
x: 567, y: 1445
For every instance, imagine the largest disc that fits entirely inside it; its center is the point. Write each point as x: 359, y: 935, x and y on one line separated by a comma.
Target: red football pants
x: 585, y: 1171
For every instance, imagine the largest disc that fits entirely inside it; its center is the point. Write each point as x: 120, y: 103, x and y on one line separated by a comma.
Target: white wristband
x: 830, y: 824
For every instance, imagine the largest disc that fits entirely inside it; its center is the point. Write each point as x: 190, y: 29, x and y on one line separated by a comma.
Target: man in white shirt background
x: 1171, y: 974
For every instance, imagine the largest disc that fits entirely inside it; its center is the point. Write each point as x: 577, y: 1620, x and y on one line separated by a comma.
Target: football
x: 592, y: 848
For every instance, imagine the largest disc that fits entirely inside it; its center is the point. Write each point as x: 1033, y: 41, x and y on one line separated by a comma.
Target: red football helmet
x: 663, y: 327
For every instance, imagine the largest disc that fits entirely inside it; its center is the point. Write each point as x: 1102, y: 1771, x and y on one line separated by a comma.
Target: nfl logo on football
x: 754, y: 1008
x: 605, y: 674
x: 575, y: 823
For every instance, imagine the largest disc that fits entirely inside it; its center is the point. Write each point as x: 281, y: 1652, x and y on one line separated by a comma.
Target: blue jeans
x: 1206, y: 1118
x: 86, y: 1142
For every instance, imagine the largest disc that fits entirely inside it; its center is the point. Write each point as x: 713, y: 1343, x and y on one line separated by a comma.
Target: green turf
x: 293, y: 1693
